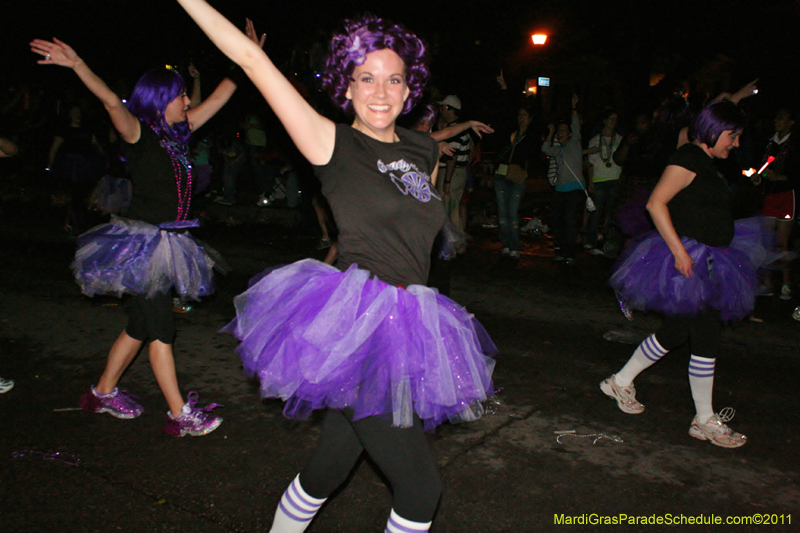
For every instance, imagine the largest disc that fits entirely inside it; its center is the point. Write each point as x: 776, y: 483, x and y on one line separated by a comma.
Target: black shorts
x: 151, y: 319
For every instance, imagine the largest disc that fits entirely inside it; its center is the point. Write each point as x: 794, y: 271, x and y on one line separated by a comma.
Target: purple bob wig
x: 714, y: 119
x: 150, y: 97
x: 369, y: 34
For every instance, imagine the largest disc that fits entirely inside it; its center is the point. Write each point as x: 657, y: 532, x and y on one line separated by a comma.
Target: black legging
x: 402, y: 454
x: 703, y: 331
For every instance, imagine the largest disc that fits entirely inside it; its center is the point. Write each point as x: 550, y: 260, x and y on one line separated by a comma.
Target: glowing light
x: 539, y: 38
x: 749, y: 172
x: 770, y: 159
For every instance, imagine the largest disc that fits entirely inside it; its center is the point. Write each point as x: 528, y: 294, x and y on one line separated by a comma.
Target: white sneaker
x: 505, y: 252
x: 625, y: 396
x: 715, y: 431
x: 786, y: 293
x: 6, y: 385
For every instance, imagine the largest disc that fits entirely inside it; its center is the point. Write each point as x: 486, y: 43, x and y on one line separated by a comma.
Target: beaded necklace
x: 609, y: 149
x: 182, y: 169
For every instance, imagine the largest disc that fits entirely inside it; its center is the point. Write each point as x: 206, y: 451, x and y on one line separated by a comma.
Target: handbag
x: 516, y: 173
x: 513, y: 172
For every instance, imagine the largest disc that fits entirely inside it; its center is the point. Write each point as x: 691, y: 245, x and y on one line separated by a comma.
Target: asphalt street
x: 512, y: 471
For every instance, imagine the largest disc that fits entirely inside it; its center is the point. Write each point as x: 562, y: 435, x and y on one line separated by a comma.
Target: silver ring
x: 47, y: 57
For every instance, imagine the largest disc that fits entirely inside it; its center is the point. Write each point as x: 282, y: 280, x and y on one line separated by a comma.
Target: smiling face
x: 378, y: 93
x: 727, y: 141
x: 176, y: 109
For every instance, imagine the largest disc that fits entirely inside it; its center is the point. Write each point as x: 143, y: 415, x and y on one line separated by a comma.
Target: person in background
x: 781, y: 181
x: 698, y: 269
x: 509, y: 185
x: 568, y: 196
x: 149, y: 255
x: 7, y: 149
x: 604, y: 174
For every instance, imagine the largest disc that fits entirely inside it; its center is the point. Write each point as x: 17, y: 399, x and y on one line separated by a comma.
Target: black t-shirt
x: 386, y: 209
x: 701, y: 211
x: 155, y: 194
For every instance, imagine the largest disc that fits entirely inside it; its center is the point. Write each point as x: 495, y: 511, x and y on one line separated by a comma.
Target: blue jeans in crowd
x: 603, y: 197
x: 509, y: 196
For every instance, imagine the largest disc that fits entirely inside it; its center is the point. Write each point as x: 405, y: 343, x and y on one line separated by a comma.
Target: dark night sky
x: 622, y: 39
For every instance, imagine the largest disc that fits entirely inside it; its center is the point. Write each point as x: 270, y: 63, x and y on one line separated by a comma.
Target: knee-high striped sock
x: 296, y: 509
x: 647, y: 353
x: 701, y: 381
x: 398, y: 524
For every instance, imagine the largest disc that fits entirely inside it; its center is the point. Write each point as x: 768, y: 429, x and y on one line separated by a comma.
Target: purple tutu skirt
x: 134, y: 257
x: 320, y: 338
x: 724, y: 278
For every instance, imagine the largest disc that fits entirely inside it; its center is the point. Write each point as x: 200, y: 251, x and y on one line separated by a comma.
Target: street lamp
x: 539, y: 38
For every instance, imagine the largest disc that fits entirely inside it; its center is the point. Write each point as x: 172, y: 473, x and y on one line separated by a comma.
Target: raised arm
x: 547, y: 146
x: 313, y: 134
x: 197, y: 93
x: 59, y: 53
x: 208, y: 108
x: 202, y: 111
x: 673, y: 180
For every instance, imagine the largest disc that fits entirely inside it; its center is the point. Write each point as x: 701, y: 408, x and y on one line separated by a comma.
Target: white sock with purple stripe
x: 701, y: 381
x: 398, y: 524
x: 296, y: 509
x: 647, y: 353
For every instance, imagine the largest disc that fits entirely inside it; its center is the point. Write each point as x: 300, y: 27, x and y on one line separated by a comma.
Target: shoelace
x: 192, y: 401
x: 726, y: 414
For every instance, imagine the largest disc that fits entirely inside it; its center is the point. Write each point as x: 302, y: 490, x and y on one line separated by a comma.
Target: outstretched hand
x: 479, y: 127
x: 250, y: 31
x: 55, y: 53
x: 445, y: 149
x: 748, y: 90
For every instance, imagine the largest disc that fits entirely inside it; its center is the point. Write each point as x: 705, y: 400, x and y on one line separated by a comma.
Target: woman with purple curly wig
x: 366, y: 340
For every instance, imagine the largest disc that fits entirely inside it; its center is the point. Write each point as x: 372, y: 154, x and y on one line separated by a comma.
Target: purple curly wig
x: 365, y: 35
x: 714, y: 119
x: 150, y: 97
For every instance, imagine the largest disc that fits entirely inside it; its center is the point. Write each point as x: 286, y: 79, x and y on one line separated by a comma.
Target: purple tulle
x: 724, y: 277
x: 631, y: 217
x: 450, y: 239
x: 319, y: 338
x: 112, y: 195
x: 130, y: 256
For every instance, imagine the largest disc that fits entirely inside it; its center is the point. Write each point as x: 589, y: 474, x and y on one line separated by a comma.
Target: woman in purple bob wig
x: 698, y: 268
x: 150, y: 255
x: 385, y: 356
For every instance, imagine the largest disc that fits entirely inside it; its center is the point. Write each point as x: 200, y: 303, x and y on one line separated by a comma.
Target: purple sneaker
x: 118, y: 403
x: 193, y: 421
